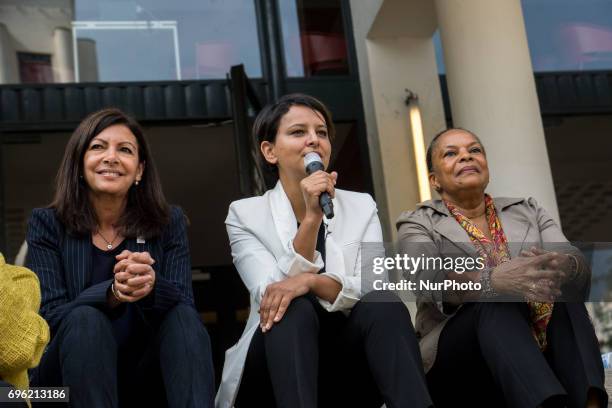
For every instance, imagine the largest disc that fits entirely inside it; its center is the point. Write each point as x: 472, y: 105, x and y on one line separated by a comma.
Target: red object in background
x: 35, y: 68
x: 214, y: 59
x: 324, y: 52
x: 585, y: 44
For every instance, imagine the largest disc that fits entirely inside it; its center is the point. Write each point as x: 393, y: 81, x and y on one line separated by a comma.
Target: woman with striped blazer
x: 113, y: 262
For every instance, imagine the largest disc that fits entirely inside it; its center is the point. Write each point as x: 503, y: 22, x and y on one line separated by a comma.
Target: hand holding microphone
x: 318, y: 188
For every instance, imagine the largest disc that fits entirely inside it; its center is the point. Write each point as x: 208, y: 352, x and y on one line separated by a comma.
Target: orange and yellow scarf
x: 495, y: 252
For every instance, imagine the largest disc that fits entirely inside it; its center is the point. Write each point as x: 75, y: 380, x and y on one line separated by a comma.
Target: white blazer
x: 261, y: 231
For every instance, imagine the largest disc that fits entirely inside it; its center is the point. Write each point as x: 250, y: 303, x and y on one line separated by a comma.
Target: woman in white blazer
x: 313, y: 338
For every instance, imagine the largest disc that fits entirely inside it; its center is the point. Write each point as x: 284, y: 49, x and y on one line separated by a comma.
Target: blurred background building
x: 532, y: 78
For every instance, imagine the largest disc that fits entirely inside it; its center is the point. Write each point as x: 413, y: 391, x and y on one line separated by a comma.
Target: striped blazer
x: 63, y: 263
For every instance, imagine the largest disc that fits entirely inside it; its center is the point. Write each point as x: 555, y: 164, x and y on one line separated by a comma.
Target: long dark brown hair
x: 146, y: 212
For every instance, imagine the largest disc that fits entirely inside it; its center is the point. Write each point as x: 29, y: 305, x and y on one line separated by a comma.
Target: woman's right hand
x: 312, y: 187
x: 529, y: 278
x: 134, y: 275
x: 278, y: 297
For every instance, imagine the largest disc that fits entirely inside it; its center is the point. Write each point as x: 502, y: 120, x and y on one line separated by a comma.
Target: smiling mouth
x: 109, y: 173
x: 468, y: 170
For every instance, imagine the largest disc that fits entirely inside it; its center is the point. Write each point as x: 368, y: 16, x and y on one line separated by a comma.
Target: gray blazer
x: 431, y: 230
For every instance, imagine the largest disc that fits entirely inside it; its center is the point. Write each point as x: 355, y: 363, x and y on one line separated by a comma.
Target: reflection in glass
x: 191, y: 39
x: 112, y: 51
x: 34, y: 68
x: 131, y: 40
x: 569, y: 35
x: 314, y: 38
x: 563, y: 35
x: 31, y: 46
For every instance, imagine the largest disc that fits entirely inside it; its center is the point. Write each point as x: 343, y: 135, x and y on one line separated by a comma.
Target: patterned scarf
x: 496, y: 252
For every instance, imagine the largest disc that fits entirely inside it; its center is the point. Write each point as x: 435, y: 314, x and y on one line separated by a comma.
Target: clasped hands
x: 536, y: 275
x: 134, y: 276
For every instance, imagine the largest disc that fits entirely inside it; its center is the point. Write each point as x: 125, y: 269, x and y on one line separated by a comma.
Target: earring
x: 136, y: 182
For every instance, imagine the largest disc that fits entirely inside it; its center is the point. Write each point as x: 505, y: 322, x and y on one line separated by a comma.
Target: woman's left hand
x: 279, y: 295
x: 561, y: 262
x: 134, y: 275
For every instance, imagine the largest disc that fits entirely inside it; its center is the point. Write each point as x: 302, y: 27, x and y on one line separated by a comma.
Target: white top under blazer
x: 261, y: 231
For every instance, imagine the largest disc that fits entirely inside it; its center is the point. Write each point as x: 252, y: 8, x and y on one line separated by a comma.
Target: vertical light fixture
x: 418, y: 143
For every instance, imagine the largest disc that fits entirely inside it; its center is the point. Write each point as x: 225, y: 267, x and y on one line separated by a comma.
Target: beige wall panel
x: 395, y: 52
x: 397, y: 64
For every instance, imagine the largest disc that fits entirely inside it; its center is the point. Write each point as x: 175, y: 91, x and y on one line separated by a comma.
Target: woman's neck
x: 294, y: 193
x: 108, y: 210
x: 470, y: 205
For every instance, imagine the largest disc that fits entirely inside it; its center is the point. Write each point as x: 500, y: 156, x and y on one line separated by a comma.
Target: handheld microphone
x: 312, y: 163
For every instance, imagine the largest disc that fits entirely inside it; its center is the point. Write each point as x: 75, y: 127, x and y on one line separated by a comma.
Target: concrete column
x: 395, y: 52
x: 363, y: 14
x: 492, y: 93
x: 88, y: 60
x: 9, y: 70
x: 63, y: 56
x: 397, y: 64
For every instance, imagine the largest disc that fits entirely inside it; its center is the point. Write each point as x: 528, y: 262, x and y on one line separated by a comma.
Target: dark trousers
x: 171, y: 361
x: 488, y: 357
x: 316, y: 358
x: 13, y: 404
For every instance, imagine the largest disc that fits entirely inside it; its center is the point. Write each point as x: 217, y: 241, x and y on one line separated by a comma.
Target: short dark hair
x: 267, y: 121
x: 147, y: 211
x: 434, y: 141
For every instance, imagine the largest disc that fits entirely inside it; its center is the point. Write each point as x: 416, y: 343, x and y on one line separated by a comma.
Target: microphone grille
x: 310, y: 158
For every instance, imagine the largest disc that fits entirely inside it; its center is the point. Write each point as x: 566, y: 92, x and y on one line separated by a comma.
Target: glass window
x: 439, y: 53
x: 314, y: 38
x: 563, y: 35
x: 569, y: 35
x: 138, y: 40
